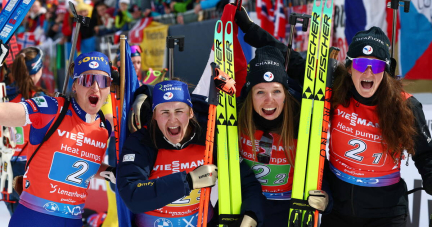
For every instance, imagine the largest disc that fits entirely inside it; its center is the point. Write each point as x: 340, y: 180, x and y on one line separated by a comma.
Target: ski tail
x: 231, y: 113
x: 314, y: 170
x: 11, y: 17
x: 297, y: 203
x: 221, y: 127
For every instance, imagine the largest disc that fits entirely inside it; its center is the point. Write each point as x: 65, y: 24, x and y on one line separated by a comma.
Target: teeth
x: 172, y: 127
x: 269, y: 109
x: 367, y: 80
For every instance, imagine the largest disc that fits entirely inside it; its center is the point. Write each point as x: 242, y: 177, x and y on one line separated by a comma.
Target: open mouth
x: 93, y: 99
x: 174, y: 130
x: 367, y: 84
x: 268, y: 111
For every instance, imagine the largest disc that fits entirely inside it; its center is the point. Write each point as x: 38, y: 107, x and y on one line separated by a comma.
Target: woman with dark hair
x: 26, y: 72
x: 59, y: 170
x: 373, y: 121
x: 161, y: 169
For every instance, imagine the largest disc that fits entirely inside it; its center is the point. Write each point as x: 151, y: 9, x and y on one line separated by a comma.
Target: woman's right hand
x: 202, y: 177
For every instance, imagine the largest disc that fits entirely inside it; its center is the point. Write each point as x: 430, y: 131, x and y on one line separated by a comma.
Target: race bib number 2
x: 72, y: 170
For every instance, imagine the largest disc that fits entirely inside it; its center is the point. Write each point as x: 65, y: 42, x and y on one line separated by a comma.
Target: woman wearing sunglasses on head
x: 373, y: 121
x: 136, y: 61
x: 57, y: 175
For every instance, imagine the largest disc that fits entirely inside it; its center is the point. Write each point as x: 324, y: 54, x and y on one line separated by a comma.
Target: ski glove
x: 202, y: 176
x: 134, y: 119
x: 249, y: 219
x: 427, y: 185
x: 109, y: 174
x: 318, y: 199
x: 242, y: 19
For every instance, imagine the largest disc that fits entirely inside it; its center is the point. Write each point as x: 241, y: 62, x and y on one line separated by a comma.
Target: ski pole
x: 171, y: 41
x: 79, y: 20
x: 208, y: 156
x: 293, y: 20
x: 122, y: 73
x: 332, y: 64
x: 394, y: 4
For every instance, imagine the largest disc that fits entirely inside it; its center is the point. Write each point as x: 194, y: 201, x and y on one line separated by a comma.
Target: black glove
x: 242, y: 19
x: 109, y: 174
x: 4, y: 51
x: 249, y: 219
x: 427, y: 185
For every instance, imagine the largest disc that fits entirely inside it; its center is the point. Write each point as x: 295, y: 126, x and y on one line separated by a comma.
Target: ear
x: 349, y: 70
x: 191, y: 113
x: 73, y: 87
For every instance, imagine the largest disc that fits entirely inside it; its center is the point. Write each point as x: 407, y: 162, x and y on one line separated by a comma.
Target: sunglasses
x: 87, y: 80
x: 136, y: 49
x: 361, y: 64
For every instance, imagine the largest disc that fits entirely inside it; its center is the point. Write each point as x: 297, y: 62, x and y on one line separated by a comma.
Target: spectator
x: 36, y: 16
x: 180, y: 7
x: 54, y: 32
x: 88, y: 41
x: 205, y: 4
x: 104, y: 20
x: 123, y: 17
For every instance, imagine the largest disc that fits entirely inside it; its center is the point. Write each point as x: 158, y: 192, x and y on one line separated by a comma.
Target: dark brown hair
x: 20, y: 74
x: 193, y: 122
x: 396, y: 118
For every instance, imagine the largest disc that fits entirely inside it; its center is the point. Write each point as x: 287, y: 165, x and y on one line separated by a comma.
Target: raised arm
x: 12, y: 114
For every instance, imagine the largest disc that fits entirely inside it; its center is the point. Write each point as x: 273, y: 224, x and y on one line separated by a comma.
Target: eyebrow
x: 181, y: 108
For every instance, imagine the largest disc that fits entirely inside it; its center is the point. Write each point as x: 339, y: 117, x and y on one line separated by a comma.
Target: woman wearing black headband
x: 26, y: 72
x: 373, y: 122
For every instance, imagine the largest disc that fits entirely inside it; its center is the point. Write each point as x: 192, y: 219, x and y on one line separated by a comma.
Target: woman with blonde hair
x: 268, y: 125
x: 67, y: 143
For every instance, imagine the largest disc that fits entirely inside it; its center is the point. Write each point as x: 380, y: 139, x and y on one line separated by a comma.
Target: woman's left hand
x: 318, y: 199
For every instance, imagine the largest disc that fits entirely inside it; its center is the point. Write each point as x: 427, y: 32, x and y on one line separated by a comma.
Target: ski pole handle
x: 79, y: 20
x: 171, y: 41
x: 394, y: 4
x: 293, y: 20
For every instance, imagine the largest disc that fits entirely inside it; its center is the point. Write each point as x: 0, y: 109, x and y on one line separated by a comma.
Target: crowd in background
x: 49, y: 24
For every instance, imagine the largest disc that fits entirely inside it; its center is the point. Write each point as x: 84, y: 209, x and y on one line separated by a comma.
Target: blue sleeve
x: 42, y: 111
x: 138, y: 192
x: 207, y: 4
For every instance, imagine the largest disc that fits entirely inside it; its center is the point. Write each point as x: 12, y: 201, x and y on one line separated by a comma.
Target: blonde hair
x: 247, y: 127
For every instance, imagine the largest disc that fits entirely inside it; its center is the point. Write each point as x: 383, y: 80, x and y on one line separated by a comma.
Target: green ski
x: 229, y: 189
x: 308, y: 173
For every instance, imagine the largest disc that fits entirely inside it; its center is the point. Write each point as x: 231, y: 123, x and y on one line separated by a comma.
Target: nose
x: 268, y: 96
x: 368, y: 70
x: 95, y: 86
